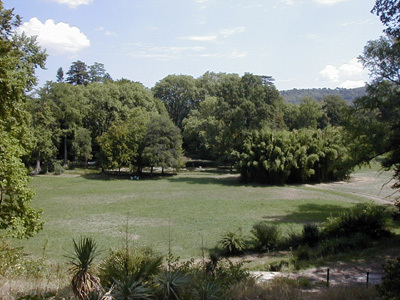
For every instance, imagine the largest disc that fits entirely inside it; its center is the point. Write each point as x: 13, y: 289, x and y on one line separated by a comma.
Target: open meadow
x: 187, y: 211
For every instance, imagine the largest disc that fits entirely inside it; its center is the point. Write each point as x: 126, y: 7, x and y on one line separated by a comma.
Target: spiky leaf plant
x: 128, y: 288
x: 170, y: 284
x: 206, y: 290
x: 83, y: 283
x: 233, y: 242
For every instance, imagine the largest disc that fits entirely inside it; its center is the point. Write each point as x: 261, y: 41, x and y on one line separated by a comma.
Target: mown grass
x: 188, y: 211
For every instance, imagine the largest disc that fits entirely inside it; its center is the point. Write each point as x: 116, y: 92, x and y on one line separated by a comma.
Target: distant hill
x: 296, y: 95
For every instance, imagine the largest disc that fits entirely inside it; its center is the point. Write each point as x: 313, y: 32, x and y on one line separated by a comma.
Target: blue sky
x: 301, y: 43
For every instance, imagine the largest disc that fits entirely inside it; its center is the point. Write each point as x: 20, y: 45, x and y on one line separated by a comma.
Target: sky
x: 300, y: 43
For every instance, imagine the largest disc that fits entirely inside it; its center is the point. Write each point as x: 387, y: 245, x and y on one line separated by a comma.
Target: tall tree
x: 60, y: 75
x: 78, y: 73
x: 179, y: 94
x: 382, y: 102
x: 163, y: 143
x: 389, y: 13
x: 97, y: 72
x: 19, y: 57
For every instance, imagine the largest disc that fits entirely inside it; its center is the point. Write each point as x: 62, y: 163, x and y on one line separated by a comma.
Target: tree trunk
x: 65, y: 150
x: 37, y: 169
x: 151, y: 171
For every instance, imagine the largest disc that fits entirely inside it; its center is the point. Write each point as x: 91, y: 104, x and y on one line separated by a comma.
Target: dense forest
x: 296, y: 95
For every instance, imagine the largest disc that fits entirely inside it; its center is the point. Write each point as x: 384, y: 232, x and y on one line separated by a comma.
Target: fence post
x: 327, y: 277
x: 367, y: 278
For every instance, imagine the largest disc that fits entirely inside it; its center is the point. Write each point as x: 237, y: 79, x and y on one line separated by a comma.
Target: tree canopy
x: 19, y: 57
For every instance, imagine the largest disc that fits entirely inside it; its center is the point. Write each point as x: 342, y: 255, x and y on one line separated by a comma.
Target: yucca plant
x: 83, y: 283
x: 170, y: 284
x: 129, y: 288
x: 233, y: 242
x: 206, y: 290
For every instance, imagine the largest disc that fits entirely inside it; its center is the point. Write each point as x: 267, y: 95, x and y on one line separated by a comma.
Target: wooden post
x: 327, y: 277
x: 367, y: 279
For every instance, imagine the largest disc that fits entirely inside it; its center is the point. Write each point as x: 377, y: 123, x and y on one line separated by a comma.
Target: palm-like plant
x: 206, y: 290
x: 128, y: 288
x: 170, y: 284
x: 233, y: 242
x: 83, y: 283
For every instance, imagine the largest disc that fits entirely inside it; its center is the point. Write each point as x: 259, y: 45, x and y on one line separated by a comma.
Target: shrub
x: 369, y: 219
x: 58, y: 169
x: 390, y: 286
x: 310, y: 235
x: 343, y: 244
x: 129, y: 266
x: 233, y: 242
x: 266, y: 236
x: 302, y: 253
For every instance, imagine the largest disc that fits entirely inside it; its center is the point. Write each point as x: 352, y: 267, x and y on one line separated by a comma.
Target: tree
x: 19, y: 57
x: 46, y: 133
x: 334, y: 108
x: 121, y: 144
x: 389, y: 13
x: 60, y: 75
x: 179, y: 94
x: 310, y: 113
x: 163, y: 143
x: 382, y: 58
x: 78, y: 73
x: 82, y: 145
x: 97, y: 72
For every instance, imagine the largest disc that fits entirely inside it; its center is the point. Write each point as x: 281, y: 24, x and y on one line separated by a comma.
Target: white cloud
x: 162, y: 52
x: 60, y: 38
x: 106, y: 32
x: 349, y: 75
x: 330, y: 73
x: 353, y: 67
x: 328, y: 2
x: 351, y: 84
x: 73, y: 3
x: 201, y: 38
x: 231, y: 31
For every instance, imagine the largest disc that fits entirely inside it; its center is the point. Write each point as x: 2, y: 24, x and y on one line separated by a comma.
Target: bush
x: 131, y: 265
x: 310, y: 235
x: 343, y: 244
x: 266, y: 236
x: 390, y: 286
x: 58, y: 169
x: 302, y: 253
x: 369, y: 219
x: 233, y: 242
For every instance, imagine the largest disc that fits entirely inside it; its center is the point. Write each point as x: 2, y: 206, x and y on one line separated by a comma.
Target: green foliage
x: 305, y: 155
x: 232, y: 106
x: 310, y: 235
x: 19, y: 57
x: 206, y: 290
x: 179, y: 93
x: 389, y: 289
x: 81, y: 260
x: 82, y: 144
x: 123, y: 265
x: 163, y: 143
x: 368, y: 219
x: 233, y: 242
x: 171, y: 284
x: 128, y: 288
x: 342, y: 244
x: 266, y: 236
x: 122, y: 143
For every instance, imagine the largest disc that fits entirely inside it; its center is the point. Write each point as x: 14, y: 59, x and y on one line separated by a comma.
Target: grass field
x: 189, y: 210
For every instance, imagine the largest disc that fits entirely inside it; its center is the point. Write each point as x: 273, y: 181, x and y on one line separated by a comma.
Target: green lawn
x: 189, y: 210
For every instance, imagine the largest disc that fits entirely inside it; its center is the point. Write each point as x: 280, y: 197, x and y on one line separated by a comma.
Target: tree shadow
x: 207, y: 180
x: 308, y: 213
x: 109, y: 176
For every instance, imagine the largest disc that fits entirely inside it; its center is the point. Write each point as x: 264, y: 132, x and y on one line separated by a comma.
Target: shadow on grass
x: 107, y: 176
x: 227, y: 181
x: 309, y: 213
